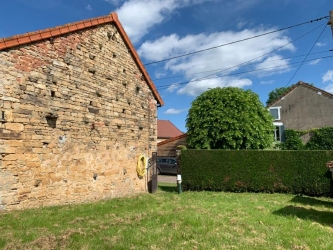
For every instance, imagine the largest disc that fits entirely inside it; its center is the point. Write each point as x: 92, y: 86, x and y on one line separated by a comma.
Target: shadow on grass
x: 322, y: 217
x: 312, y: 201
x: 167, y: 187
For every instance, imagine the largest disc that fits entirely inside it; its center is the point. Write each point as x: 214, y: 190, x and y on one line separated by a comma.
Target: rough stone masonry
x: 75, y: 115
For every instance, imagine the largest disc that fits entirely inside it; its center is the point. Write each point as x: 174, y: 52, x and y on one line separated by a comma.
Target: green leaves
x: 297, y: 172
x: 320, y: 139
x: 274, y: 94
x: 229, y: 118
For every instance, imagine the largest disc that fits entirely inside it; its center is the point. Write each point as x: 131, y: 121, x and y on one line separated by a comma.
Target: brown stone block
x: 50, y: 164
x: 14, y: 157
x: 55, y: 178
x: 111, y: 172
x: 35, y: 120
x: 33, y: 164
x: 23, y: 191
x: 48, y: 169
x: 15, y: 126
x: 74, y: 168
x: 14, y: 143
x: 6, y: 105
x: 22, y: 150
x: 15, y: 105
x: 8, y: 150
x: 37, y: 150
x: 66, y: 163
x: 32, y: 157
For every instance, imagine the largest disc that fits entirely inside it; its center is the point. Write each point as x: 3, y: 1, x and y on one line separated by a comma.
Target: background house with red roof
x: 77, y: 110
x: 166, y: 130
x: 302, y: 107
x: 168, y: 137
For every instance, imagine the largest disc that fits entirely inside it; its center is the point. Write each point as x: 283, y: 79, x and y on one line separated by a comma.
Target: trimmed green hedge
x: 296, y: 172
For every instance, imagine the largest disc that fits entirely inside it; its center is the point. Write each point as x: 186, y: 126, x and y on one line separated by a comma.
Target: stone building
x: 77, y: 109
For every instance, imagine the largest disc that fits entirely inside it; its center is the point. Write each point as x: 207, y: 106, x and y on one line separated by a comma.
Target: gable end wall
x: 78, y: 114
x: 304, y: 109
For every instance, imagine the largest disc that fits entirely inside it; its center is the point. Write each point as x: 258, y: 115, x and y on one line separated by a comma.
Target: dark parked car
x: 167, y: 166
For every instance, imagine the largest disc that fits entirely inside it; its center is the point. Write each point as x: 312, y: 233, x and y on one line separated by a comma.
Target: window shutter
x: 282, y: 133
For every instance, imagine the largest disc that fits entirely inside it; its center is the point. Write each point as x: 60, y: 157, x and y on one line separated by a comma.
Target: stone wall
x: 75, y: 115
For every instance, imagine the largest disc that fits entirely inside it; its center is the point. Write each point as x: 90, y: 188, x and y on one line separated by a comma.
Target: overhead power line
x: 239, y: 73
x: 205, y: 77
x: 238, y: 41
x: 218, y: 70
x: 307, y: 55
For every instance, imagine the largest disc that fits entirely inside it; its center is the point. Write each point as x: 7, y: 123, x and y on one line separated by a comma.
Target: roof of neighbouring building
x: 27, y: 38
x: 166, y: 129
x: 307, y: 85
x: 171, y: 139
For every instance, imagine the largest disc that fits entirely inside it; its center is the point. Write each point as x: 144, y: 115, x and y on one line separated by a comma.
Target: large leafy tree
x: 274, y: 94
x: 229, y: 118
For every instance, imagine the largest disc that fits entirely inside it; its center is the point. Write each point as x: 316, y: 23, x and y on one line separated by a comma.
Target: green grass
x: 166, y: 220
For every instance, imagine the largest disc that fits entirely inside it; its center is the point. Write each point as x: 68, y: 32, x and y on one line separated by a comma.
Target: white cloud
x: 139, y: 16
x: 196, y: 88
x: 328, y: 76
x: 329, y: 88
x: 267, y: 82
x: 314, y: 62
x: 174, y: 111
x: 273, y: 65
x: 172, y: 88
x: 320, y: 44
x: 88, y: 7
x: 241, y: 24
x: 225, y: 58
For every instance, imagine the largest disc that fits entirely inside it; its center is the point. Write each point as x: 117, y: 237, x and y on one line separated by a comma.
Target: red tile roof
x: 165, y: 129
x: 300, y: 83
x: 10, y: 42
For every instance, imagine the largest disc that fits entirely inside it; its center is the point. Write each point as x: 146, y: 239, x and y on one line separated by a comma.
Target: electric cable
x: 306, y: 55
x: 213, y: 70
x: 238, y: 73
x: 260, y: 55
x: 238, y: 41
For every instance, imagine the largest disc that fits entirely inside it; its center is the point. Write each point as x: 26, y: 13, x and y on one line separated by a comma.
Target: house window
x: 275, y: 112
x: 279, y: 132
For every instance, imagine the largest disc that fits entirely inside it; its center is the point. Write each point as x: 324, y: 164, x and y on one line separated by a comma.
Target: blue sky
x: 161, y: 29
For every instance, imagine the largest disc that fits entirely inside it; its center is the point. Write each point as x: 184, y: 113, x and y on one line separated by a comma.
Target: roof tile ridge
x: 25, y: 38
x: 314, y: 88
x: 284, y: 94
x: 172, y: 139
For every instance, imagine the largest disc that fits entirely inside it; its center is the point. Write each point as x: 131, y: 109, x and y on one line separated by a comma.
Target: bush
x: 296, y: 172
x: 293, y: 140
x: 321, y: 140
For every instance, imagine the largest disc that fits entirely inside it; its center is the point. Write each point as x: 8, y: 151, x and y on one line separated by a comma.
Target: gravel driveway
x: 167, y: 178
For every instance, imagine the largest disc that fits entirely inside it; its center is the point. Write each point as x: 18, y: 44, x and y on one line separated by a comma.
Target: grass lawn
x: 166, y: 220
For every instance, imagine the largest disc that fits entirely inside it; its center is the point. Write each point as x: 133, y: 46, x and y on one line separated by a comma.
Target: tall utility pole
x: 330, y: 22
